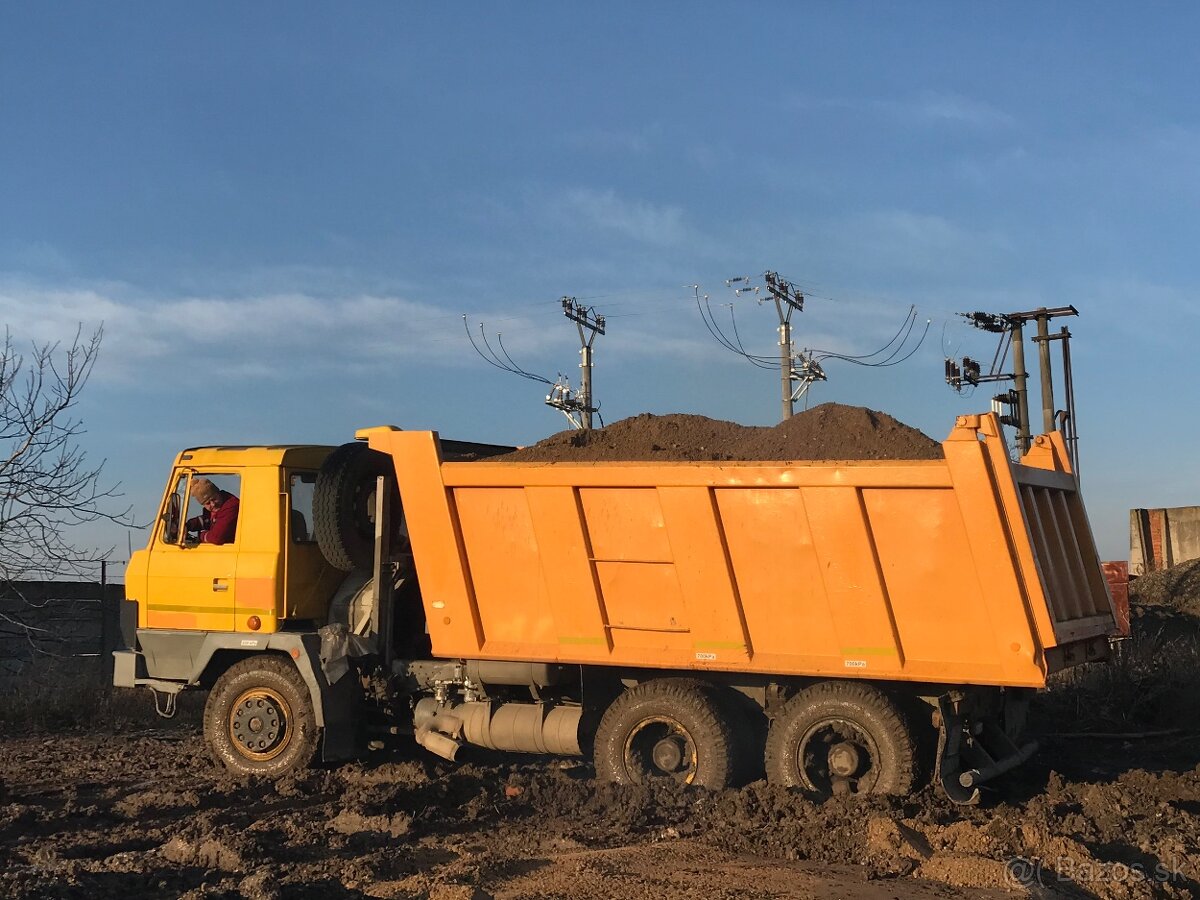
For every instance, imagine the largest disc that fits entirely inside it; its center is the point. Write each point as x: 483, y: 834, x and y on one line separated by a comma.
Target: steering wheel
x: 171, y: 532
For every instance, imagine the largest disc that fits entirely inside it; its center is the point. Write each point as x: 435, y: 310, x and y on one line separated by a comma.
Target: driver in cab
x: 217, y: 524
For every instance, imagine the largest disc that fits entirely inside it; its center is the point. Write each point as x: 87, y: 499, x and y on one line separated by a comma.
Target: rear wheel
x: 259, y: 719
x: 669, y: 728
x: 344, y: 505
x: 842, y: 738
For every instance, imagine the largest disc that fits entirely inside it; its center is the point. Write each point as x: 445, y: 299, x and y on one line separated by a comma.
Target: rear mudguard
x: 974, y: 747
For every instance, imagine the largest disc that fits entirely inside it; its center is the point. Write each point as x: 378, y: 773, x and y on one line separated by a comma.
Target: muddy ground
x: 146, y: 814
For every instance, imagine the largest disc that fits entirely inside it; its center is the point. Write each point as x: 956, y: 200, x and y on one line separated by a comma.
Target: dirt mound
x: 831, y: 431
x: 1177, y: 587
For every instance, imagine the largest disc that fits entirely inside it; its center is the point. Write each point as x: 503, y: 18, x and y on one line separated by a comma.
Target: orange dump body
x: 967, y: 570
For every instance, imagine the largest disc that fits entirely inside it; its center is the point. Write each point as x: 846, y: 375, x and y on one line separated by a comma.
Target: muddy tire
x: 344, y: 505
x: 670, y: 728
x: 840, y: 737
x: 259, y: 720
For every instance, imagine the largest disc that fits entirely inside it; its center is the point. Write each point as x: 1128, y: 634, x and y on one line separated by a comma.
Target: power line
x: 578, y: 408
x: 893, y: 358
x: 710, y: 323
x: 504, y: 365
x: 798, y: 371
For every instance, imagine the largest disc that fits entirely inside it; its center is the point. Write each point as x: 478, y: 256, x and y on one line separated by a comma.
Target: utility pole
x: 1042, y: 317
x: 787, y: 300
x: 589, y: 324
x: 1018, y: 399
x: 799, y: 371
x: 577, y: 408
x: 1020, y: 383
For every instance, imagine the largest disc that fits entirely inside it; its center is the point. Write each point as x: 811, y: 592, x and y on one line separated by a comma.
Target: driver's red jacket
x: 219, y: 526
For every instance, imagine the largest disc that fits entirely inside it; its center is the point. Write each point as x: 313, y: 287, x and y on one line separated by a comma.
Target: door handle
x: 220, y: 584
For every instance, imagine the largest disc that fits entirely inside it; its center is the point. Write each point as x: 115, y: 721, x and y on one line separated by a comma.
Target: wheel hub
x: 836, y: 756
x: 660, y: 746
x: 258, y: 724
x: 844, y: 759
x: 668, y: 754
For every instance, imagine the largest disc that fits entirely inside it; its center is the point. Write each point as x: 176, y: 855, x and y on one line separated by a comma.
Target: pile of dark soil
x: 1152, y: 682
x: 831, y: 431
x: 1177, y: 587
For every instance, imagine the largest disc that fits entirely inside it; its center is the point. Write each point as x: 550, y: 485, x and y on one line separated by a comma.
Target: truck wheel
x: 344, y: 505
x: 259, y: 719
x: 672, y: 728
x: 842, y: 737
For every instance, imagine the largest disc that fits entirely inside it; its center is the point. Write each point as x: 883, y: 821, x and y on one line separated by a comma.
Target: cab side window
x: 301, y: 486
x: 213, y: 506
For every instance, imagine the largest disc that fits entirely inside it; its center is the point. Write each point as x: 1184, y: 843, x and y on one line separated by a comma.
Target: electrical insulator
x: 970, y: 370
x: 952, y: 373
x: 1005, y: 406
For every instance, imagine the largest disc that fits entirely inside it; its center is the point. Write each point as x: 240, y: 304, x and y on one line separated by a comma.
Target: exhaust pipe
x: 439, y: 735
x: 519, y: 727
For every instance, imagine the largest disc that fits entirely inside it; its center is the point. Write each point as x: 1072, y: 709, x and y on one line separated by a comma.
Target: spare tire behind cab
x: 344, y: 505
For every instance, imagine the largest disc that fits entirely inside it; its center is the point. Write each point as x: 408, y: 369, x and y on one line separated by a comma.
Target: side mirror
x: 171, y: 531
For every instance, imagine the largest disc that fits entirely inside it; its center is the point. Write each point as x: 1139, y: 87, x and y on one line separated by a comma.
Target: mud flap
x: 966, y: 760
x: 338, y: 704
x: 949, y: 760
x: 342, y: 737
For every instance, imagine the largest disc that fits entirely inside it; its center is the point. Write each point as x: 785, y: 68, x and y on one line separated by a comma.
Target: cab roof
x: 276, y: 455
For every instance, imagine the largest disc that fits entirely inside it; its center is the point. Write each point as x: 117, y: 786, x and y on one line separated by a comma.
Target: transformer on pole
x: 589, y: 324
x: 578, y: 408
x: 1013, y: 405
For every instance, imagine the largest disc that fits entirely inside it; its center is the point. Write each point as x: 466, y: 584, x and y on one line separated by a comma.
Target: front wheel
x: 259, y: 719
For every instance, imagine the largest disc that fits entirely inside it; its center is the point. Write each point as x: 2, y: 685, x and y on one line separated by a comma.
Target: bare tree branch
x: 47, y: 484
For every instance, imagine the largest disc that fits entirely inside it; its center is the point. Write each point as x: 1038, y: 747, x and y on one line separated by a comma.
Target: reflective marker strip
x: 868, y: 651
x: 213, y: 610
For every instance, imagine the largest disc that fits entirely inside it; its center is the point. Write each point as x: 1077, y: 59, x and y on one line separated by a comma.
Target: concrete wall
x: 1161, y: 538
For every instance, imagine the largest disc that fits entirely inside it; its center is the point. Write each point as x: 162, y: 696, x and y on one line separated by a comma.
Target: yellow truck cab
x: 271, y: 572
x: 194, y: 610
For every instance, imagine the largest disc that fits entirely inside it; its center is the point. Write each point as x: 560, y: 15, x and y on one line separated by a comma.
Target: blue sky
x: 281, y: 212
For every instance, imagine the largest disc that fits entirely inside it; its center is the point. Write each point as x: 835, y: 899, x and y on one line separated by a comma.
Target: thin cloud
x: 885, y: 244
x: 956, y: 108
x: 638, y: 220
x: 33, y: 256
x: 927, y: 107
x: 234, y: 337
x: 610, y: 141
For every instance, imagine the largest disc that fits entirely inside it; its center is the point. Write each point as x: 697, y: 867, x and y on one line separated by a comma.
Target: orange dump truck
x: 839, y: 626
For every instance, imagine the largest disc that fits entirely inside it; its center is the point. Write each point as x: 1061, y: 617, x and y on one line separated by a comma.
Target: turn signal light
x: 254, y: 623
